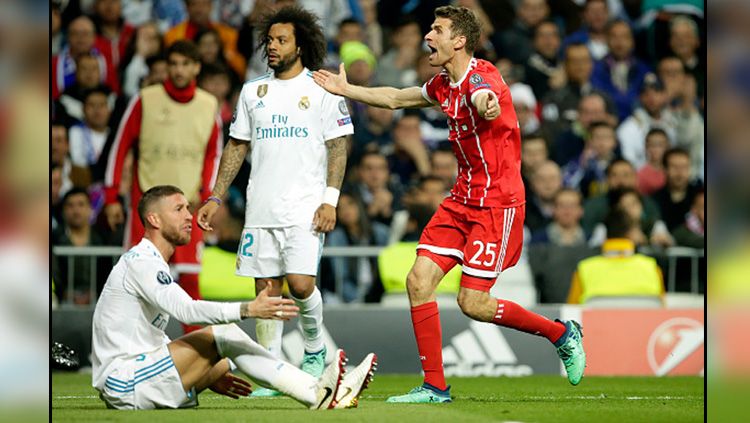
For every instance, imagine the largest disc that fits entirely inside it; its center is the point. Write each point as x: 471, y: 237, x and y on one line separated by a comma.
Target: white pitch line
x: 75, y: 396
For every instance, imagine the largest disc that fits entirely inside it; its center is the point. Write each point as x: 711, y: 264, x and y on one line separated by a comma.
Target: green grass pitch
x: 481, y: 399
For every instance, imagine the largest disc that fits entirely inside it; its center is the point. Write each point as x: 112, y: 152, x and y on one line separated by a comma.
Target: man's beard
x: 284, y: 63
x: 176, y: 237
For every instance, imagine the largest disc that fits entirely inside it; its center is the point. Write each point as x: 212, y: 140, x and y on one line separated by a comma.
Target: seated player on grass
x: 136, y: 366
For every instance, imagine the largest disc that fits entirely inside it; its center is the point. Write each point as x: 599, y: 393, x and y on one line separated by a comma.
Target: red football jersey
x: 488, y: 152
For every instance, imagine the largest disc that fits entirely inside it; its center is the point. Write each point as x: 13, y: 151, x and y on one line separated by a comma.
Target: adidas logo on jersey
x: 482, y: 350
x: 445, y: 103
x: 260, y: 105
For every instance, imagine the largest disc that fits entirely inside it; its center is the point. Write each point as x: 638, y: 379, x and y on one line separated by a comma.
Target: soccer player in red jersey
x: 480, y: 225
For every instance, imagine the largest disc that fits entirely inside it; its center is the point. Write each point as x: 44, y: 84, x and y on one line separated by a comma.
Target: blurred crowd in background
x: 610, y: 98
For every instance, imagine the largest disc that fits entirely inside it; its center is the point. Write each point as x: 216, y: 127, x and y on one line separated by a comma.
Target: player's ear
x: 459, y: 42
x: 153, y: 219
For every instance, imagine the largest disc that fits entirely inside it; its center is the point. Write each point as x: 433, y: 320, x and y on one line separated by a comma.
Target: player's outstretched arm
x: 231, y: 160
x: 386, y: 97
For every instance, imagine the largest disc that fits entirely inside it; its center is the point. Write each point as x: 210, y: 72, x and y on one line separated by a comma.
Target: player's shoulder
x: 143, y: 255
x: 439, y: 78
x: 258, y: 80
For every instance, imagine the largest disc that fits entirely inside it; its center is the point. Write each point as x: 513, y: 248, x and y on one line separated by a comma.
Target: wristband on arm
x: 331, y: 196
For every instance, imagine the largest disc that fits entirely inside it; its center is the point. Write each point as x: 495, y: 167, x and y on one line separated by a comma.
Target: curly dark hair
x: 308, y: 34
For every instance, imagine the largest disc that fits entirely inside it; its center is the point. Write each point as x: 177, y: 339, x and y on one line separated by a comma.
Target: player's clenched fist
x: 488, y: 107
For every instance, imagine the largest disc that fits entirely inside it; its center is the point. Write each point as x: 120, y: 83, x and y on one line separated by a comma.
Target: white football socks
x: 256, y: 362
x: 269, y: 333
x: 311, y: 320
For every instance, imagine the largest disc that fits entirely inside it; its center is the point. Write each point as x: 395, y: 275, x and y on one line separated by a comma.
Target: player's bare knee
x: 472, y: 304
x: 417, y: 285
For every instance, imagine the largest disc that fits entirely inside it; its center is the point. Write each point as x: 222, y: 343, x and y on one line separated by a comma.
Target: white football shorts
x: 274, y: 252
x: 146, y: 382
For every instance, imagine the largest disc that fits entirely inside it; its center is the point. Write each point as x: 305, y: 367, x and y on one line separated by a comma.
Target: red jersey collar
x: 180, y: 95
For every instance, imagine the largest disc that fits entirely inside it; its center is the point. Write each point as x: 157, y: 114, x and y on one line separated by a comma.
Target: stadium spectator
x: 677, y: 196
x: 648, y: 231
x: 560, y: 106
x: 216, y: 80
x: 56, y: 28
x: 76, y: 230
x: 534, y: 152
x: 593, y: 34
x: 359, y: 61
x: 545, y: 182
x: 87, y: 139
x: 199, y: 18
x: 554, y: 251
x: 587, y: 173
x: 212, y: 53
x: 652, y: 113
x: 397, y: 67
x: 87, y: 77
x: 358, y: 274
x: 380, y: 196
x: 672, y: 73
x: 409, y: 157
x: 619, y: 271
x: 434, y: 126
x: 113, y: 34
x: 692, y: 233
x: 145, y: 43
x: 516, y: 41
x: 374, y: 129
x: 524, y: 102
x: 651, y: 176
x: 373, y: 30
x: 72, y: 176
x: 690, y: 127
x: 543, y: 64
x: 157, y: 70
x: 684, y: 41
x: 620, y: 174
x: 565, y: 228
x: 330, y: 12
x: 444, y: 165
x: 620, y: 73
x: 349, y: 29
x: 169, y: 150
x: 570, y: 144
x: 231, y: 12
x: 167, y: 13
x: 56, y: 194
x: 81, y: 38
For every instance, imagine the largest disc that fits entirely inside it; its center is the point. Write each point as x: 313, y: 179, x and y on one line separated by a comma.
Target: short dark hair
x: 569, y: 191
x: 674, y: 151
x: 429, y: 178
x: 75, y: 191
x: 349, y: 21
x: 154, y: 59
x: 308, y: 34
x: 611, y: 24
x: 186, y: 48
x: 618, y: 223
x: 153, y: 195
x: 102, y: 89
x: 463, y: 22
x: 572, y: 45
x: 656, y: 131
x: 600, y: 124
x: 213, y: 69
x: 615, y: 162
x: 614, y: 196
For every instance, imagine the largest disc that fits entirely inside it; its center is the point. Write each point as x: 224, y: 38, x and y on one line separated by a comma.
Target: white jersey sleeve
x: 150, y: 280
x: 336, y: 121
x: 241, y: 127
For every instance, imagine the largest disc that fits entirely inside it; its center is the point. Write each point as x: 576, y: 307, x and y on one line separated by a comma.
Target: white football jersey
x: 134, y: 309
x: 287, y: 123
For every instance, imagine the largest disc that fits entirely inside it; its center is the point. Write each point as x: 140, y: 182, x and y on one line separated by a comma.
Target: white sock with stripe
x: 256, y: 362
x: 269, y: 333
x: 311, y: 320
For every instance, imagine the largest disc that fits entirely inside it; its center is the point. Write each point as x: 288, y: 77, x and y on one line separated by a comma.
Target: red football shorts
x: 485, y: 241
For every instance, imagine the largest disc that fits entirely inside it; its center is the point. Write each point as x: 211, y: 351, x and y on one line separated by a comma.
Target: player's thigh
x: 148, y: 381
x: 444, y: 237
x: 259, y: 254
x: 194, y: 355
x: 492, y: 232
x: 302, y: 248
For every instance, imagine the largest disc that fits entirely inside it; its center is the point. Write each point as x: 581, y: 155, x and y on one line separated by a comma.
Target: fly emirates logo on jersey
x: 280, y: 129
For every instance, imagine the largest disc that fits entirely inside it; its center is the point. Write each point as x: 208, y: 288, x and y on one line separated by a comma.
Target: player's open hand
x: 266, y: 307
x: 231, y: 386
x: 325, y: 218
x: 488, y: 107
x: 331, y: 82
x: 205, y: 214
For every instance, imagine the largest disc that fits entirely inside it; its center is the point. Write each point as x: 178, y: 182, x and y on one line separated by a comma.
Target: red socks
x: 426, y: 321
x: 512, y: 315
